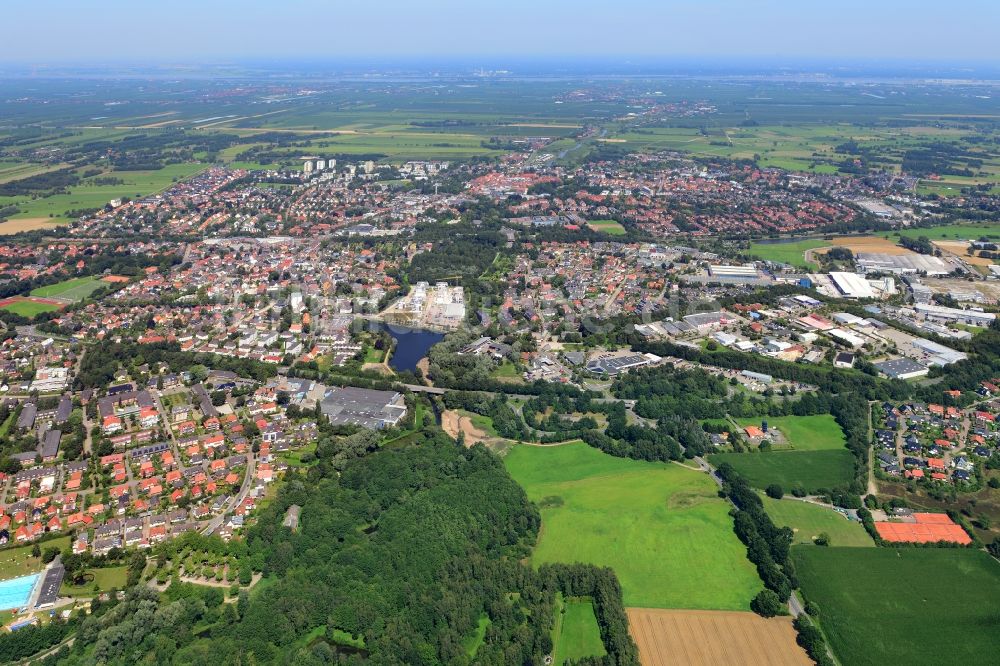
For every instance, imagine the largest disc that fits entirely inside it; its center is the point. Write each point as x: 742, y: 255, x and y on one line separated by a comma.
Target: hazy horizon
x: 113, y: 31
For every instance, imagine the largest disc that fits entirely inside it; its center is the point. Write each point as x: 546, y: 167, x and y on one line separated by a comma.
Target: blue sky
x: 188, y: 31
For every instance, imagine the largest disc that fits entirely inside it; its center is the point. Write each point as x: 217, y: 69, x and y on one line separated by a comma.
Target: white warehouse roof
x: 852, y: 285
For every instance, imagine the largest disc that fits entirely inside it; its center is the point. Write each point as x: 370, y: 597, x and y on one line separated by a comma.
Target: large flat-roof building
x: 941, y: 313
x: 852, y: 285
x: 902, y: 264
x: 902, y: 368
x: 366, y: 408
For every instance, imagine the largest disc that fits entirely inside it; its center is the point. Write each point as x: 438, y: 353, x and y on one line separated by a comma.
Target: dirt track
x: 452, y: 422
x: 711, y: 638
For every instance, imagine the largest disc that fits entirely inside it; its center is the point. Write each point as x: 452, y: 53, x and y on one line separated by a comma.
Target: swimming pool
x: 14, y: 593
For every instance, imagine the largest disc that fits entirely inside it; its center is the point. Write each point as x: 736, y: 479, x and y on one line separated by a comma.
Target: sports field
x: 810, y: 520
x: 811, y: 470
x: 73, y: 290
x: 820, y: 432
x: 26, y: 307
x: 708, y: 638
x: 607, y: 227
x: 661, y: 527
x: 911, y: 606
x: 576, y: 633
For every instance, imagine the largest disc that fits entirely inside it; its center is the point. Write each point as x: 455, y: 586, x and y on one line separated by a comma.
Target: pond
x: 412, y: 344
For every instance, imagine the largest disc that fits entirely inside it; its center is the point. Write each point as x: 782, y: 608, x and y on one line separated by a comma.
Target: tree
x: 774, y: 491
x: 766, y: 604
x: 36, y: 551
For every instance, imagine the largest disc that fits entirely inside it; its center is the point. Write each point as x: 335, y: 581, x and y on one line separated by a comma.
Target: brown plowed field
x: 713, y: 638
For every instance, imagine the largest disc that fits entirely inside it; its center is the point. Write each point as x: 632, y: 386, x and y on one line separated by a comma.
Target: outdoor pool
x: 14, y: 593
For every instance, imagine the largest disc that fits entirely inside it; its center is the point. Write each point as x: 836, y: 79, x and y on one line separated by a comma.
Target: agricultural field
x: 576, y: 634
x: 73, y: 290
x: 706, y: 638
x: 661, y: 527
x: 11, y: 170
x: 954, y: 232
x: 793, y: 252
x: 89, y: 195
x: 810, y: 470
x: 808, y: 521
x: 916, y: 606
x: 610, y: 227
x: 819, y: 432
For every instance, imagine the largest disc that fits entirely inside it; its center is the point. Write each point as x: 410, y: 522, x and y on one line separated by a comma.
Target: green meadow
x: 576, y: 634
x: 810, y: 520
x: 792, y: 253
x: 88, y: 195
x: 819, y: 432
x: 661, y: 527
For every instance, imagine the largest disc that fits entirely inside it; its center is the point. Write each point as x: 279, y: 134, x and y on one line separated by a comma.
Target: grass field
x: 811, y: 470
x: 661, y: 527
x: 75, y: 289
x: 954, y: 231
x: 28, y: 308
x: 809, y: 520
x: 904, y: 606
x: 105, y: 580
x: 476, y: 638
x: 792, y: 253
x: 19, y: 562
x: 87, y: 195
x: 576, y: 633
x: 805, y: 433
x: 609, y: 227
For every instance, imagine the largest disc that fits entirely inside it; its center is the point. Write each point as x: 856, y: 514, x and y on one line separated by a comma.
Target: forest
x: 399, y: 556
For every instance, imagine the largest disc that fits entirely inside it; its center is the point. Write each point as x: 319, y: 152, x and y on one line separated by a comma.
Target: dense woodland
x: 399, y: 555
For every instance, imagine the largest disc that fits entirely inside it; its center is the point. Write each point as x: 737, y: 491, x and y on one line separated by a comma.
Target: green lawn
x: 811, y: 470
x: 506, y: 371
x: 809, y: 520
x: 75, y: 289
x: 104, y: 579
x: 373, y: 355
x: 661, y: 527
x: 29, y: 308
x: 805, y: 433
x: 18, y: 561
x: 576, y: 634
x: 911, y: 606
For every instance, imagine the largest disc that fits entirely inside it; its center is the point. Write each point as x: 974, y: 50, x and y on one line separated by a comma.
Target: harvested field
x: 714, y: 637
x: 871, y: 244
x: 453, y: 423
x: 959, y: 248
x: 11, y: 227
